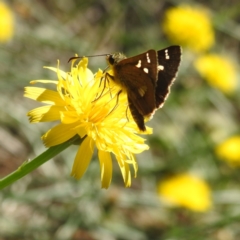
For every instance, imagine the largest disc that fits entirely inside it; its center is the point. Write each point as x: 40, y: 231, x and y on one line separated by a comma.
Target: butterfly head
x: 115, y: 58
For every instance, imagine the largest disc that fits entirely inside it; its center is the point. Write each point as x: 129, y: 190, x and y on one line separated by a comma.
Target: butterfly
x: 146, y: 78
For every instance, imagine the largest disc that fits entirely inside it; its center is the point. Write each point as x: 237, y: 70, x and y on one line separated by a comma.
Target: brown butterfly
x: 146, y: 78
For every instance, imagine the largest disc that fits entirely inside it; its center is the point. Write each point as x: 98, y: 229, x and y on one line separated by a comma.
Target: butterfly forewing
x: 168, y: 63
x: 138, y: 76
x: 139, y: 65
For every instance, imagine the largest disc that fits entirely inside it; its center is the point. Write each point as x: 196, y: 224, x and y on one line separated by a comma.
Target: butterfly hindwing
x: 168, y: 63
x: 137, y: 116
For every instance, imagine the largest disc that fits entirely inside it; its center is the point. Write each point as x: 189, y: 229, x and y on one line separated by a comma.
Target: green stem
x: 28, y: 167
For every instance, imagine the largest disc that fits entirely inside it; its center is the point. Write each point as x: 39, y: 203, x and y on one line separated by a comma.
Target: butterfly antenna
x: 99, y: 55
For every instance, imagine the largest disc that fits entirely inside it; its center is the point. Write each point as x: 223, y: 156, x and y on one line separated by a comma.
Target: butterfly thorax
x: 113, y: 61
x: 115, y: 58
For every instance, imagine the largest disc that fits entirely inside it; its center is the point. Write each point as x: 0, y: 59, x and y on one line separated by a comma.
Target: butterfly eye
x: 111, y: 59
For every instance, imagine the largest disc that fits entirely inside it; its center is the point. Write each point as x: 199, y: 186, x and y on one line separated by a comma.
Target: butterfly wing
x: 137, y: 75
x: 138, y: 117
x: 168, y: 63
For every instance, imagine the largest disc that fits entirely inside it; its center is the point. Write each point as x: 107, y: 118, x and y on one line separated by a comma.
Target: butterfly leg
x: 105, y: 78
x: 127, y: 113
x: 116, y: 102
x: 111, y: 77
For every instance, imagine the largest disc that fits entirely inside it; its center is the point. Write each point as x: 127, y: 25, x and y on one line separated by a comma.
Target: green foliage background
x: 48, y: 203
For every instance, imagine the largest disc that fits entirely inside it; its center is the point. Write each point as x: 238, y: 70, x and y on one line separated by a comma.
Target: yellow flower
x: 186, y: 190
x: 229, y: 150
x: 86, y: 107
x: 190, y: 27
x: 218, y: 71
x: 6, y: 23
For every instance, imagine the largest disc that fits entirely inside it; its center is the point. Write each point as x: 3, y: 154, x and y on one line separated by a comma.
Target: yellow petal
x: 133, y: 162
x: 44, y: 114
x: 126, y: 173
x: 68, y: 117
x: 59, y: 134
x: 44, y: 95
x: 81, y: 131
x: 60, y: 73
x: 106, y: 168
x: 83, y: 158
x: 44, y: 81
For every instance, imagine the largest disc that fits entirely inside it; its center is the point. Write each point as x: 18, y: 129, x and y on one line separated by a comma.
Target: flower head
x: 229, y: 150
x: 190, y: 27
x: 187, y: 191
x: 87, y: 106
x: 6, y: 23
x: 218, y: 71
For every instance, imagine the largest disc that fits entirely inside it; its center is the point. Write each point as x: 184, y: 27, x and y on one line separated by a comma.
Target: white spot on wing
x: 166, y: 54
x: 160, y: 67
x: 139, y: 64
x: 145, y: 70
x: 148, y: 58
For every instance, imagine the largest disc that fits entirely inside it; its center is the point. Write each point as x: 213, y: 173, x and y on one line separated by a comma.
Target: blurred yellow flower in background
x: 218, y: 71
x: 185, y: 190
x: 229, y: 150
x: 87, y: 108
x: 190, y: 27
x: 6, y: 23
